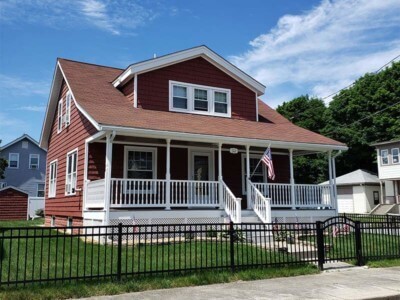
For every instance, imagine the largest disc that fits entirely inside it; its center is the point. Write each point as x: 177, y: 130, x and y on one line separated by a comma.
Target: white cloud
x: 33, y: 108
x: 113, y: 16
x: 17, y: 86
x: 324, y: 49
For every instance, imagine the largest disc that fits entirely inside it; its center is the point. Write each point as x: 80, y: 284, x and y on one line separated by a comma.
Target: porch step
x: 249, y: 216
x: 382, y: 209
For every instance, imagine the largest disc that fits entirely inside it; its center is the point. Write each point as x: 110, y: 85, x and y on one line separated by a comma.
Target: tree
x: 308, y: 113
x: 3, y: 166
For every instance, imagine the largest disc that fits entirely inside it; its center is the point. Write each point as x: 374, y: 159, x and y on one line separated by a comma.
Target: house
x: 388, y: 158
x: 174, y: 139
x: 26, y: 166
x: 357, y: 192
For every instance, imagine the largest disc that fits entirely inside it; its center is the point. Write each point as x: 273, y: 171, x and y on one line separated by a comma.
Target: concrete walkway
x: 353, y: 283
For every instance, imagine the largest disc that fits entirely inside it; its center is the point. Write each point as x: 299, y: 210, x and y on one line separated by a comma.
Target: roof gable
x: 180, y: 56
x: 21, y: 138
x: 356, y: 177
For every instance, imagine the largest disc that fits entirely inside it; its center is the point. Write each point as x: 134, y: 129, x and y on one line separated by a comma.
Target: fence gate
x: 338, y: 239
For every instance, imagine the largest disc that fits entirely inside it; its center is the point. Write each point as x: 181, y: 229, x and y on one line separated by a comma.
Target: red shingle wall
x: 13, y: 205
x: 153, y: 86
x: 70, y: 138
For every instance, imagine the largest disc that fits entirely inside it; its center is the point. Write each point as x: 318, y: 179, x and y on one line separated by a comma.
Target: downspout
x: 334, y: 180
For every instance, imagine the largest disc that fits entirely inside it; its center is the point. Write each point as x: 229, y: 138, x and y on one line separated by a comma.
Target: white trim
x: 190, y: 87
x: 68, y: 98
x: 398, y: 156
x: 141, y: 149
x: 38, y: 160
x: 381, y: 156
x: 243, y: 171
x: 256, y: 107
x: 22, y: 137
x: 3, y: 184
x: 135, y: 93
x: 60, y: 115
x: 53, y: 162
x: 66, y: 172
x: 201, y: 151
x: 194, y: 137
x: 201, y: 51
x: 9, y: 160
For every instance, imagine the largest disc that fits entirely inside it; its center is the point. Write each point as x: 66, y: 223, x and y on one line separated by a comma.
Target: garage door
x: 345, y: 204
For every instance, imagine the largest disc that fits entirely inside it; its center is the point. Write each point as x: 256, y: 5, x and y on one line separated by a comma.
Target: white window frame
x: 398, y: 156
x: 30, y: 163
x: 243, y: 163
x: 67, y: 116
x: 190, y: 99
x: 3, y: 184
x: 154, y: 165
x: 60, y: 116
x: 68, y: 177
x: 9, y: 160
x: 37, y: 189
x: 387, y: 157
x: 52, y: 191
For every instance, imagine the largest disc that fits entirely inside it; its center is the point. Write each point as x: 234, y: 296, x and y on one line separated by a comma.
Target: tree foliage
x: 3, y: 166
x: 365, y: 113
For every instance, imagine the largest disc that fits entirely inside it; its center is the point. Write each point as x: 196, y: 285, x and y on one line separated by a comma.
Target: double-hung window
x: 140, y: 164
x: 70, y: 181
x: 60, y: 116
x: 33, y: 161
x: 53, y: 179
x: 199, y: 99
x: 40, y: 190
x: 257, y: 171
x: 67, y: 117
x: 395, y: 156
x: 384, y: 157
x: 13, y: 160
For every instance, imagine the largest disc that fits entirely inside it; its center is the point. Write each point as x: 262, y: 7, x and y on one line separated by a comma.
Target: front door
x: 201, y: 170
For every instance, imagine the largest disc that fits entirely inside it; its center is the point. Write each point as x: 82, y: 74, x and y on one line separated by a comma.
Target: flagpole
x: 269, y: 146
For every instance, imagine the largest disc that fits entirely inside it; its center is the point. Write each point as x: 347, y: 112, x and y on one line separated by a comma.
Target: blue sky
x: 293, y: 47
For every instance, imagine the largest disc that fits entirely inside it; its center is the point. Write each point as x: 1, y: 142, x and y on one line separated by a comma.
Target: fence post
x: 119, y: 252
x: 232, y: 245
x: 320, y: 245
x: 358, y: 244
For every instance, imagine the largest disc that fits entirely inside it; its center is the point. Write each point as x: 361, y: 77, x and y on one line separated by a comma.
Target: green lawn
x: 22, y: 223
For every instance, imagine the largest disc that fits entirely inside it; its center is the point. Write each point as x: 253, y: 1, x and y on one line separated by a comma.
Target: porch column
x: 220, y: 196
x: 168, y: 177
x: 334, y: 184
x: 107, y: 177
x: 330, y: 177
x: 249, y: 204
x: 292, y: 187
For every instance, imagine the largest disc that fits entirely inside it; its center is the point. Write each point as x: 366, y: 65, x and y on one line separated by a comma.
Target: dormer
x: 193, y: 81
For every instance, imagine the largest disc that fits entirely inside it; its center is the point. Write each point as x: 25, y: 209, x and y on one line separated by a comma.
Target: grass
x: 385, y: 263
x: 136, y: 284
x: 22, y: 223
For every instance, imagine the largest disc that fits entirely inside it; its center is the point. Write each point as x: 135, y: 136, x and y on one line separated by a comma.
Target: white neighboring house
x: 388, y: 157
x: 357, y: 192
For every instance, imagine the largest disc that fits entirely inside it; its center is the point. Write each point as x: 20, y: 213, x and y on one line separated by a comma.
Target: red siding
x: 70, y: 138
x: 153, y: 86
x: 14, y: 205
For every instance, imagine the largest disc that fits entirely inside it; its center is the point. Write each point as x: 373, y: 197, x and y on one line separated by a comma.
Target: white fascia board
x: 177, y: 57
x: 182, y: 136
x: 24, y: 136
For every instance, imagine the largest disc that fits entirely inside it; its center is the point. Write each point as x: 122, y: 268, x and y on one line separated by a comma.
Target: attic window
x: 60, y: 116
x: 199, y: 99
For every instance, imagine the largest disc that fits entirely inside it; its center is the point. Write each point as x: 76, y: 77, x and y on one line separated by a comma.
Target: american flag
x: 267, y: 160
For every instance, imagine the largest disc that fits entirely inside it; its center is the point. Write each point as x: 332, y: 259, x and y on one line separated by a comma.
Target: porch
x: 127, y: 174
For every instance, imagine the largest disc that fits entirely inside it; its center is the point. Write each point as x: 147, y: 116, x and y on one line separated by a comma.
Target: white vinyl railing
x: 261, y: 205
x: 232, y: 205
x: 138, y: 192
x: 95, y: 194
x: 194, y: 193
x: 305, y: 195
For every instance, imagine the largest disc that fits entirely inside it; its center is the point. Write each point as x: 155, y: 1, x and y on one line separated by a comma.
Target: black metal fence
x: 388, y: 218
x: 36, y: 254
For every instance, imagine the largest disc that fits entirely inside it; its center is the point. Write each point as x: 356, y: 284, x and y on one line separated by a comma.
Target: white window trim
x: 66, y: 172
x: 37, y: 189
x: 138, y: 149
x: 67, y: 116
x: 387, y: 156
x: 3, y: 184
x: 398, y: 155
x: 60, y: 116
x: 54, y: 180
x: 31, y: 156
x: 190, y: 99
x: 9, y: 159
x: 243, y: 164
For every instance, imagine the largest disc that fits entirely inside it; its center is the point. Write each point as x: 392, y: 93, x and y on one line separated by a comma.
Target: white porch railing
x: 232, y: 205
x: 95, y: 194
x: 194, y: 193
x: 261, y: 204
x: 138, y: 193
x: 306, y: 195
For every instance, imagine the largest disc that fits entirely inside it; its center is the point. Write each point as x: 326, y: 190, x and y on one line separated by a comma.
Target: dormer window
x: 199, y: 99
